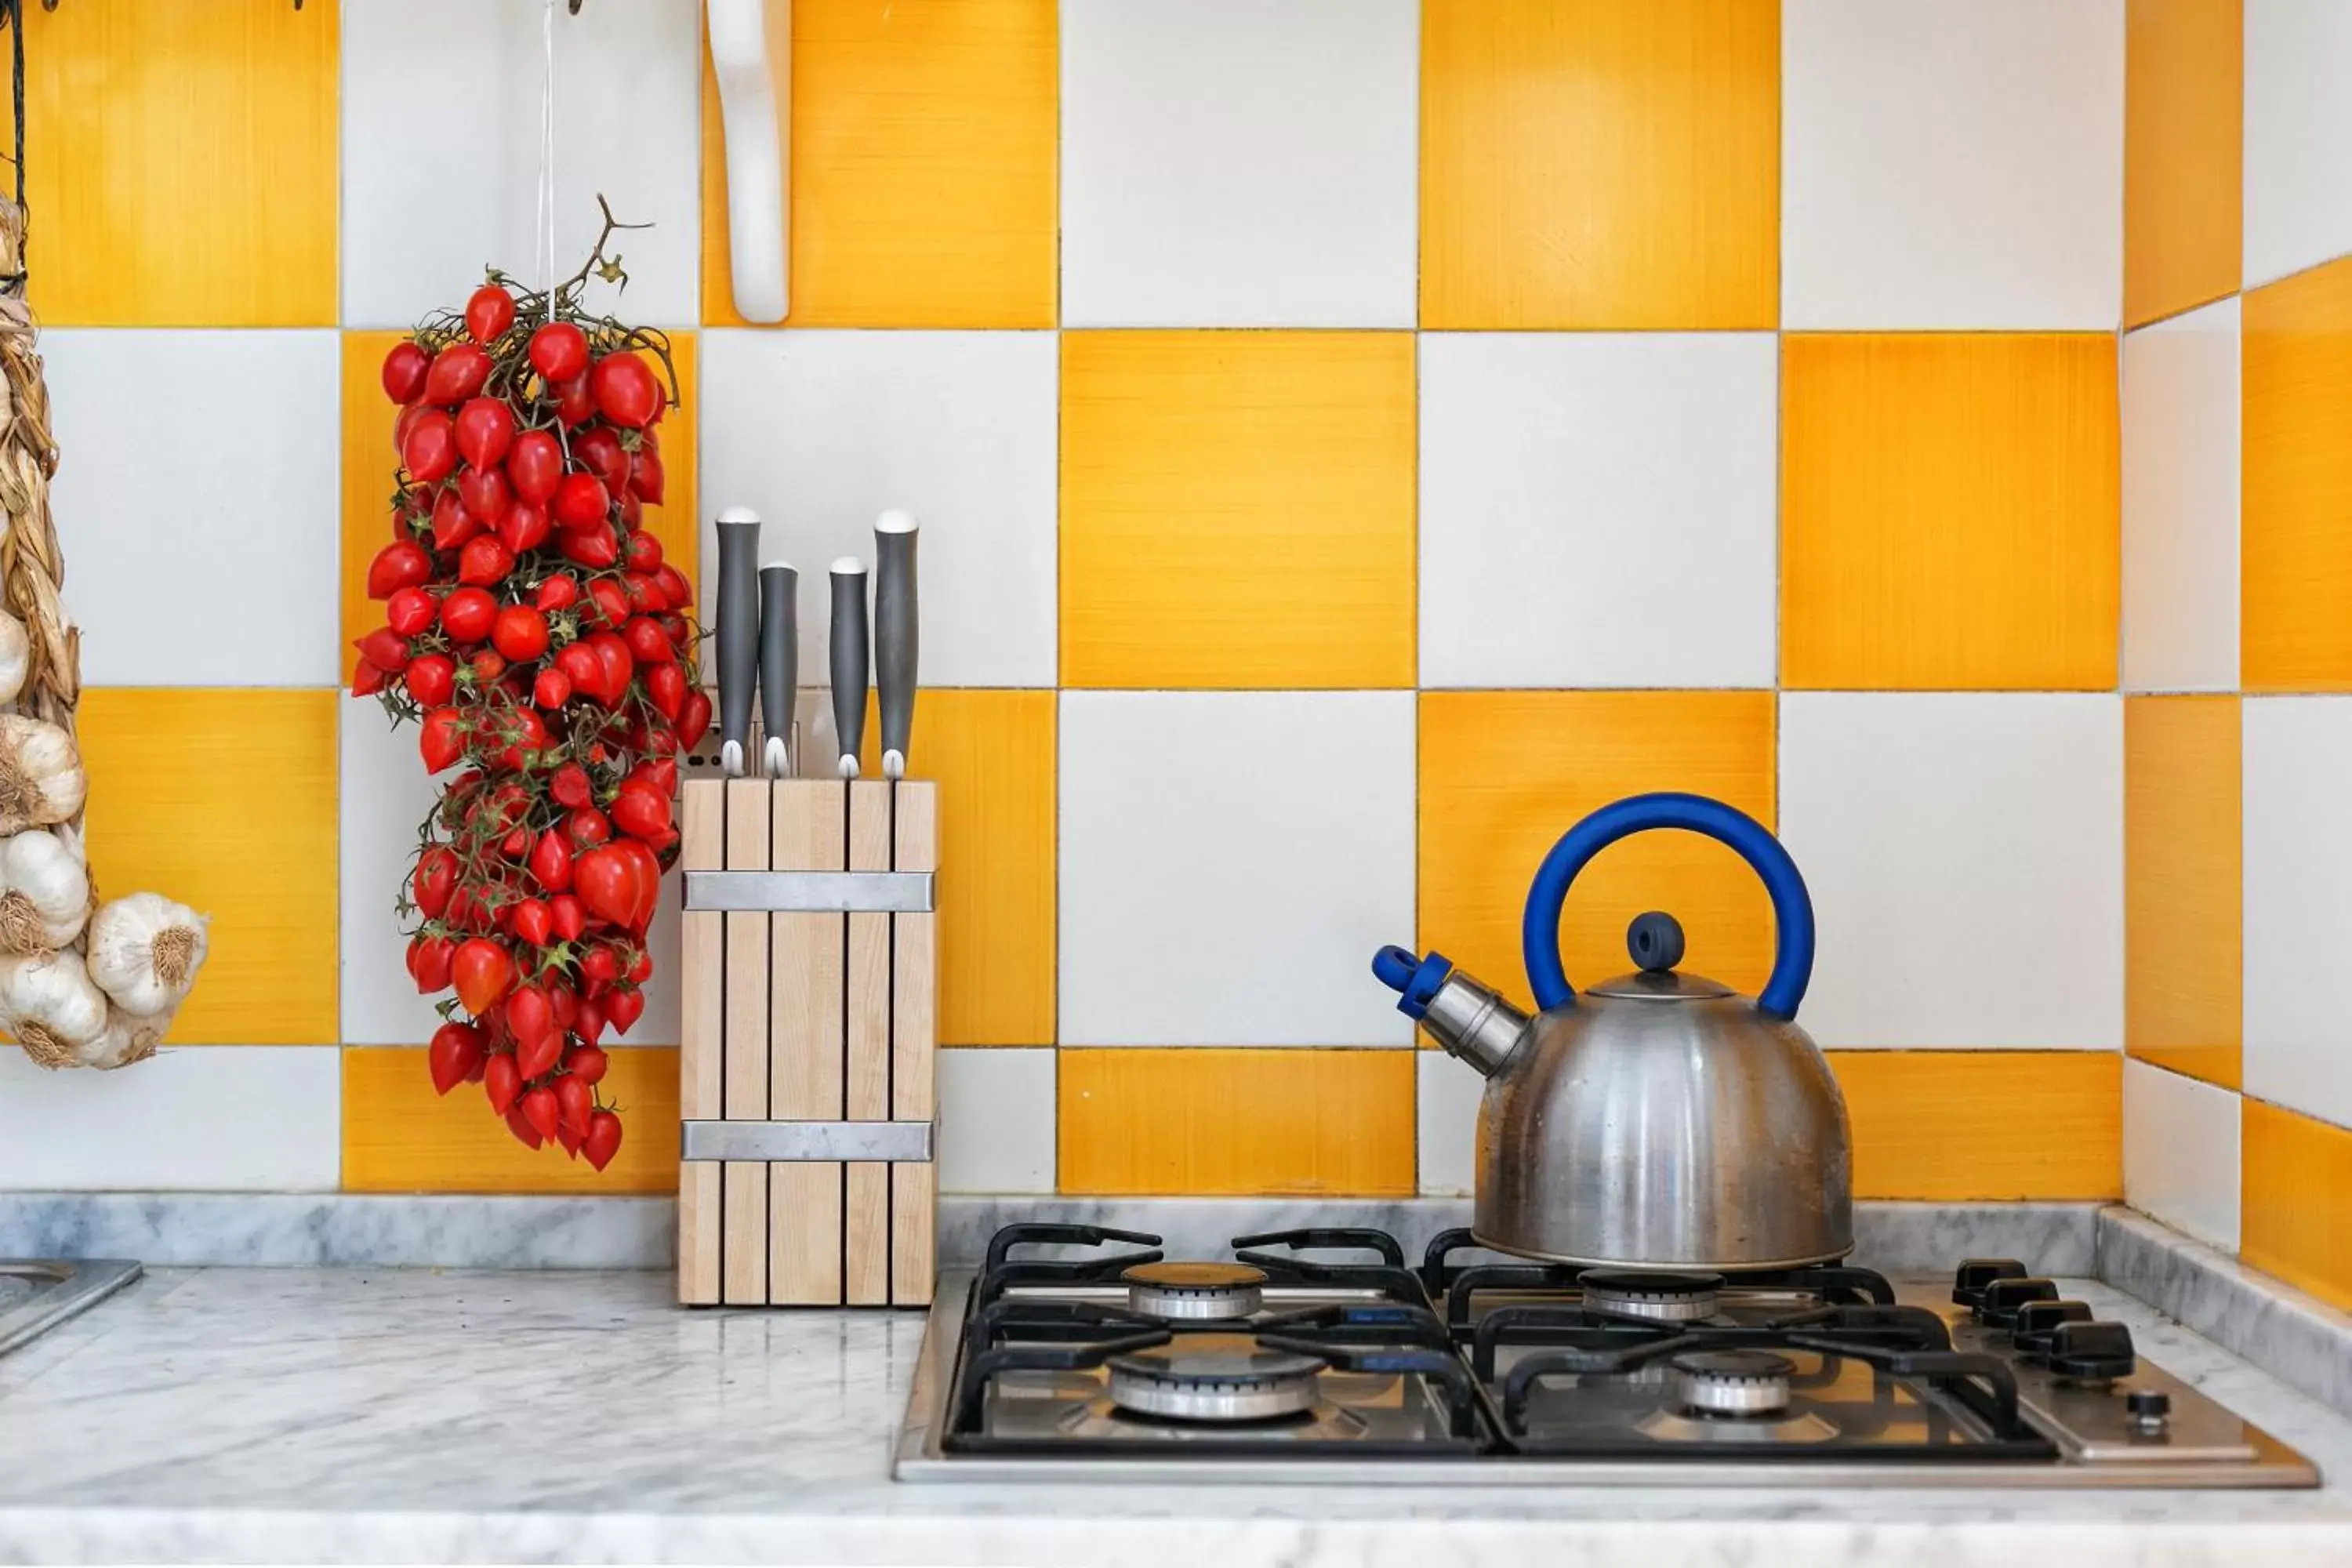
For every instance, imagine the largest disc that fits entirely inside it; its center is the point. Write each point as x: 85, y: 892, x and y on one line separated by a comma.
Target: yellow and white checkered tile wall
x: 1355, y: 438
x: 2236, y: 395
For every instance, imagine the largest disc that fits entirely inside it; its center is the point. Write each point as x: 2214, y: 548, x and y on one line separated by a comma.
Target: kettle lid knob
x: 1654, y: 940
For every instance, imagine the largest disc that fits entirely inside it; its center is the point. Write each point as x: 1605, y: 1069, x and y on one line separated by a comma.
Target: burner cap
x: 1214, y: 1377
x: 1650, y: 1295
x: 1193, y: 1292
x: 1732, y: 1382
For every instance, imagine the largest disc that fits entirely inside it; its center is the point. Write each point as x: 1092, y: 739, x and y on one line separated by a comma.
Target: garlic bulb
x: 128, y: 1037
x: 44, y: 892
x: 41, y: 780
x: 144, y: 951
x: 47, y: 1002
x: 15, y: 656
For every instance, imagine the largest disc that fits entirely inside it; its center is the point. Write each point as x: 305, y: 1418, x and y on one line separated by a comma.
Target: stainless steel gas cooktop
x: 1319, y: 1355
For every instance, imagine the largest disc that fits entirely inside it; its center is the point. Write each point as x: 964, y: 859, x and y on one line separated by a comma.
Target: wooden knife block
x: 807, y: 1045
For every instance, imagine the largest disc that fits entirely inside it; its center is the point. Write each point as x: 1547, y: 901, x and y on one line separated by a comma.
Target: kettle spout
x: 1471, y: 1021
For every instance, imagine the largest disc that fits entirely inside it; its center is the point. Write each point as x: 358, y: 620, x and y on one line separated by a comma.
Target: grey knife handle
x: 849, y: 659
x: 779, y: 653
x: 739, y: 633
x: 896, y: 635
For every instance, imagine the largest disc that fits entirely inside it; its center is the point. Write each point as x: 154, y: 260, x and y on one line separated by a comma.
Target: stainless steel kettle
x: 1660, y: 1119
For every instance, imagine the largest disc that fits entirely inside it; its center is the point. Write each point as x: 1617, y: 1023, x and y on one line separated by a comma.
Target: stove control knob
x: 2037, y: 1325
x: 1976, y: 1273
x: 2093, y: 1351
x: 2150, y: 1409
x: 2003, y: 1298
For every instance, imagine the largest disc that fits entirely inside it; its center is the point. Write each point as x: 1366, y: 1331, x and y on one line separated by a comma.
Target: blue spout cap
x: 1415, y: 980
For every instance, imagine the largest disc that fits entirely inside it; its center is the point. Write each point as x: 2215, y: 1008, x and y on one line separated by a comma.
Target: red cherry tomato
x: 640, y: 810
x: 524, y: 527
x: 519, y: 632
x: 535, y: 466
x: 485, y: 561
x: 580, y: 664
x: 627, y: 393
x: 582, y: 501
x: 429, y: 450
x: 595, y: 548
x: 550, y: 688
x: 676, y: 591
x: 600, y: 452
x: 569, y: 785
x: 486, y: 429
x: 488, y: 313
x: 624, y: 1008
x: 611, y: 601
x: 431, y: 678
x: 574, y: 404
x: 488, y: 664
x: 434, y: 879
x: 467, y: 615
x: 644, y: 555
x: 665, y: 685
x: 502, y: 1083
x: 558, y: 351
x: 539, y: 1109
x: 402, y: 563
x: 586, y: 828
x: 404, y: 373
x: 648, y: 644
x: 410, y: 610
x: 575, y: 1103
x: 441, y: 739
x: 693, y: 719
x: 454, y: 1053
x: 457, y: 374
x: 646, y: 480
x: 603, y: 1141
x: 484, y: 490
x: 385, y: 648
x: 551, y: 863
x: 556, y: 593
x: 587, y: 1063
x: 453, y: 524
x: 571, y: 914
x: 613, y: 657
x: 428, y: 963
x: 534, y: 922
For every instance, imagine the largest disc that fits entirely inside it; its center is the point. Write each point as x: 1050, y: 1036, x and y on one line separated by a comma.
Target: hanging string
x: 546, y: 211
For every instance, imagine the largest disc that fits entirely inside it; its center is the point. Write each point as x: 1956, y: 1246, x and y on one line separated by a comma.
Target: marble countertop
x: 344, y: 1414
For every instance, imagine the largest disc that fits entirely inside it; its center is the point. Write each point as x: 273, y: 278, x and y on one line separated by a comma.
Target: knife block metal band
x: 809, y: 963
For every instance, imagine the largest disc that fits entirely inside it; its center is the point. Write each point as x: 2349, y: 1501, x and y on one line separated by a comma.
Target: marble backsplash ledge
x: 356, y: 1230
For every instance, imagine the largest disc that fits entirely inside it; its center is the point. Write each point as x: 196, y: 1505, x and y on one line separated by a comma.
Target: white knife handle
x: 749, y: 60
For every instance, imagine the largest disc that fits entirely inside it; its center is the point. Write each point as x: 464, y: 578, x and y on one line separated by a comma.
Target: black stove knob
x: 1976, y: 1273
x: 2149, y: 1407
x: 2093, y: 1350
x: 2038, y: 1322
x: 2003, y: 1299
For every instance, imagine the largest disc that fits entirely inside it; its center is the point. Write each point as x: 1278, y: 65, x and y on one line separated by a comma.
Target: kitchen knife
x: 739, y: 633
x: 780, y: 652
x: 849, y: 659
x: 895, y: 639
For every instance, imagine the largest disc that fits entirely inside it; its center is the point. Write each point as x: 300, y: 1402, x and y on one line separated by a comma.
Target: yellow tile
x: 1950, y: 511
x: 1237, y: 509
x: 2182, y: 937
x: 2295, y: 1198
x: 227, y: 801
x: 2184, y: 99
x: 368, y: 468
x: 2295, y: 535
x: 925, y: 155
x: 1959, y: 1126
x: 401, y: 1137
x: 992, y: 752
x: 182, y: 162
x: 1505, y: 774
x: 1236, y: 1122
x: 1601, y: 163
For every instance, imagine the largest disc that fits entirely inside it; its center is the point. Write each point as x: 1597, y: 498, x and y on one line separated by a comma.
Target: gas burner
x: 1740, y: 1384
x: 1649, y: 1295
x: 1194, y: 1292
x: 1214, y: 1378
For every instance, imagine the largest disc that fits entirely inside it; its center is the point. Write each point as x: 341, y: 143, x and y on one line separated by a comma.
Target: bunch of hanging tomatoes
x: 534, y: 631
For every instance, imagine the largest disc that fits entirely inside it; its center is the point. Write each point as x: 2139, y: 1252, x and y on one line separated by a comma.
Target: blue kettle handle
x: 1792, y: 907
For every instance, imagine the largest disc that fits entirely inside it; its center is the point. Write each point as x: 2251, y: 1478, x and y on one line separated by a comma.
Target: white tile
x: 1240, y: 163
x: 1965, y: 855
x: 2298, y: 904
x: 997, y: 1121
x: 441, y: 152
x: 1949, y: 165
x: 195, y: 1118
x: 1446, y: 1098
x: 2180, y: 503
x: 1598, y: 509
x: 385, y: 797
x: 1230, y: 862
x: 819, y: 432
x: 197, y: 496
x: 2181, y: 1153
x: 2298, y: 148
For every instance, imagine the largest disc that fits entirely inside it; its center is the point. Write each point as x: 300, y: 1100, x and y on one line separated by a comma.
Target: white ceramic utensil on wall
x: 752, y: 56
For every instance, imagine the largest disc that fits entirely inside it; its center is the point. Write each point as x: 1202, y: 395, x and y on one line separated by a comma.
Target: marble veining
x: 340, y: 1230
x: 337, y: 1230
x: 343, y: 1415
x: 2296, y: 1337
